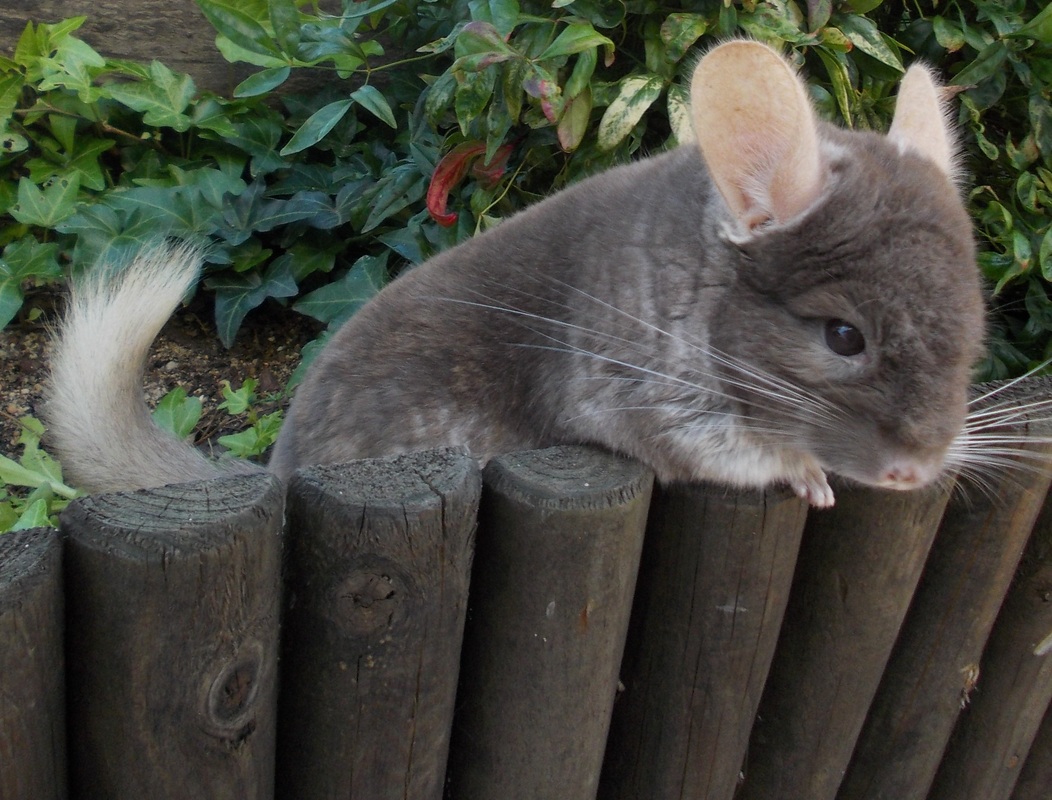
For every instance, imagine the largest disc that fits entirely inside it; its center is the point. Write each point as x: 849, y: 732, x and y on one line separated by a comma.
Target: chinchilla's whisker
x: 1009, y: 384
x: 702, y: 349
x: 998, y: 461
x: 1006, y: 411
x: 668, y: 380
x: 752, y: 380
x: 679, y: 409
x: 746, y: 369
x: 969, y: 480
x: 781, y: 392
x: 761, y: 384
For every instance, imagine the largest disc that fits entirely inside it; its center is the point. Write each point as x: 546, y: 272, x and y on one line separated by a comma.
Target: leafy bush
x: 316, y: 199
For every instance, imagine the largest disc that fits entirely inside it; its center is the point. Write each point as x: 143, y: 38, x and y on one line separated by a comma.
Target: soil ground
x: 187, y: 354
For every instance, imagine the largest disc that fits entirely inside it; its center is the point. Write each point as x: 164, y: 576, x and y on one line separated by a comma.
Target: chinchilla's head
x: 857, y: 313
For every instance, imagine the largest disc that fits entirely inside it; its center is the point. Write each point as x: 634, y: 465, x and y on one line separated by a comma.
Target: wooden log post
x: 379, y: 560
x: 935, y: 666
x: 558, y: 552
x: 859, y: 564
x: 32, y: 667
x: 996, y: 730
x: 172, y: 612
x: 714, y: 580
x: 1036, y: 775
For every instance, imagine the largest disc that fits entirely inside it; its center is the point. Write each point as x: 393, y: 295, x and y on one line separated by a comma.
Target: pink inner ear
x: 757, y: 133
x: 920, y: 123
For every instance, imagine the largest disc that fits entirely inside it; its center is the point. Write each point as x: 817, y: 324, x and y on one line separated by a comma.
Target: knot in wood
x: 370, y: 599
x: 232, y: 696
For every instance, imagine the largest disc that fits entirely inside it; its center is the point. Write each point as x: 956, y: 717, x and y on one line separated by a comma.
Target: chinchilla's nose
x: 906, y: 472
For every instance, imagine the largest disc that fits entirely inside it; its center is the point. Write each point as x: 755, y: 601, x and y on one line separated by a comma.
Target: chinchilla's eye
x: 843, y: 338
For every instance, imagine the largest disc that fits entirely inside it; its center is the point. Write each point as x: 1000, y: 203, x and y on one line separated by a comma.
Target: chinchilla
x: 776, y: 300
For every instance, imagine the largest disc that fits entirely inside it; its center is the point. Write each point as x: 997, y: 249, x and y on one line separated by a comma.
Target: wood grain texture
x: 173, y: 602
x: 378, y: 569
x: 32, y: 667
x: 995, y: 731
x: 1036, y: 776
x: 714, y: 581
x: 859, y: 565
x: 935, y: 666
x: 558, y: 552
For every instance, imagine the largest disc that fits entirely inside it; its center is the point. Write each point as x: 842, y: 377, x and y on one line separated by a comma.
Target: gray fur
x: 635, y: 311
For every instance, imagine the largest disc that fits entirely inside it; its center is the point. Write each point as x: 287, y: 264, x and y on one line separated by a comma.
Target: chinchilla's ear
x: 757, y: 132
x: 920, y: 124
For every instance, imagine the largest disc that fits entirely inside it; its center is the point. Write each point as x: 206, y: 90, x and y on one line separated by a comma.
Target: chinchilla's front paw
x: 811, y: 484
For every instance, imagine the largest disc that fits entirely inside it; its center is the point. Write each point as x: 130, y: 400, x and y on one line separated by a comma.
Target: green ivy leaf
x: 83, y: 162
x: 11, y: 87
x: 35, y: 516
x: 238, y: 401
x: 174, y: 210
x: 73, y: 66
x: 238, y: 293
x: 162, y: 100
x: 338, y: 301
x: 48, y: 207
x: 254, y: 441
x: 396, y: 190
x: 177, y: 413
x: 25, y: 259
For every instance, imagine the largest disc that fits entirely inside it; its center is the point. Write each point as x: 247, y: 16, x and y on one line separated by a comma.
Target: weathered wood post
x: 714, y: 580
x: 379, y: 560
x: 558, y: 552
x: 997, y: 728
x: 859, y: 564
x: 176, y: 33
x: 935, y: 665
x: 32, y: 667
x: 172, y: 607
x: 1036, y: 776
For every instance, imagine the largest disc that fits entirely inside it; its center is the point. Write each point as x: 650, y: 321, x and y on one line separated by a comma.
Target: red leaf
x: 489, y: 174
x: 451, y: 170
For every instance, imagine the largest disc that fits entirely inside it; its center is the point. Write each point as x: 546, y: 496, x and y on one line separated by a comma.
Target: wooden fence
x: 229, y: 640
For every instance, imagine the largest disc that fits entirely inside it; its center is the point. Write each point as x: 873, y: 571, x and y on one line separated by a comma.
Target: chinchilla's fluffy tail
x: 98, y: 422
